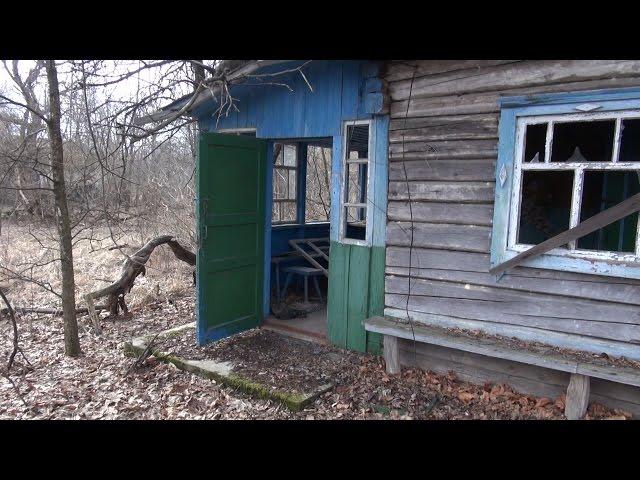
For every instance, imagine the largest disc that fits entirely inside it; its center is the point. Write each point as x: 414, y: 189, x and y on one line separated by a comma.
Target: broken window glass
x: 546, y: 205
x: 630, y: 140
x: 583, y: 141
x: 602, y: 190
x: 535, y: 141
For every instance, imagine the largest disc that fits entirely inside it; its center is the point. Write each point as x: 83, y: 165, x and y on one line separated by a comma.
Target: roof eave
x: 177, y: 105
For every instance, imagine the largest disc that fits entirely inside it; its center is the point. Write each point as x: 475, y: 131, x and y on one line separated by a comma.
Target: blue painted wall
x: 340, y: 90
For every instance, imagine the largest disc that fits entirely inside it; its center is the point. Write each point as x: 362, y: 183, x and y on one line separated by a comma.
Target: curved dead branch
x: 133, y: 266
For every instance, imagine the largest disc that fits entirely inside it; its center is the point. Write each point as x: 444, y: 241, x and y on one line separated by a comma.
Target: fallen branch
x: 146, y: 353
x: 133, y: 266
x: 12, y: 317
x: 52, y: 311
x: 15, y: 387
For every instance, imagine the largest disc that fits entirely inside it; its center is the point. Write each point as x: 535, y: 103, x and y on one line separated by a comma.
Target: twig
x: 146, y: 353
x: 12, y: 317
x: 15, y: 387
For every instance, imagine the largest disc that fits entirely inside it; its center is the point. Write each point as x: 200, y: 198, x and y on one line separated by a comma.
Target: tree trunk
x: 71, y: 340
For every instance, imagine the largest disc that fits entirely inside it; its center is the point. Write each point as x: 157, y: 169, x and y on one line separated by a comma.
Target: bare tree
x: 71, y: 340
x: 115, y: 162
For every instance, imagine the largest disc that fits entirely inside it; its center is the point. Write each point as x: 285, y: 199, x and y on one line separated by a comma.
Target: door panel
x: 231, y: 215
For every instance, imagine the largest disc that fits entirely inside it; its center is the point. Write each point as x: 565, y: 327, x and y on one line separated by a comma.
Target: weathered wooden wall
x: 442, y: 148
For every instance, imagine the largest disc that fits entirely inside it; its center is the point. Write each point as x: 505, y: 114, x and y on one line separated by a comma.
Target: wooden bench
x: 305, y: 273
x: 290, y: 256
x: 578, y: 390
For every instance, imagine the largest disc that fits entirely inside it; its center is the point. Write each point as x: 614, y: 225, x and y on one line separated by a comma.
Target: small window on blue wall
x: 355, y: 182
x: 285, y: 171
x: 559, y: 165
x: 318, y: 183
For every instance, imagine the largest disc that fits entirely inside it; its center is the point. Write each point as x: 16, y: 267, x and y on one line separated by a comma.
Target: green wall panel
x: 356, y: 292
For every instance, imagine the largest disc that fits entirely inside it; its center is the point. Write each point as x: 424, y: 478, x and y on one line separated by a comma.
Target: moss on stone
x: 293, y: 401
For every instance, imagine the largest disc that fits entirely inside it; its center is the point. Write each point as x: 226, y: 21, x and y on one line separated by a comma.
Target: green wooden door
x: 231, y: 179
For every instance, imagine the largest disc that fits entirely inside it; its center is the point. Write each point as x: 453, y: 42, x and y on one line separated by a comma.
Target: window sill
x: 284, y: 226
x: 622, y: 266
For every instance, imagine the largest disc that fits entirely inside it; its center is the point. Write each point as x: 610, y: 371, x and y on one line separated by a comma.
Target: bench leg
x: 391, y: 353
x: 577, y: 397
x: 286, y: 284
x: 315, y: 283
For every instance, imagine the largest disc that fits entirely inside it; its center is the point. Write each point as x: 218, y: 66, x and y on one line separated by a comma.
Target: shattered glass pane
x: 546, y: 205
x: 583, y: 141
x: 534, y: 143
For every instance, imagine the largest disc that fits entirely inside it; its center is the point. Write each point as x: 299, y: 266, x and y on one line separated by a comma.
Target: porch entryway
x: 299, y: 237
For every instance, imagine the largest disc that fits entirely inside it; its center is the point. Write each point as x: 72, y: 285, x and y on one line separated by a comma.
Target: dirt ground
x: 96, y: 385
x: 266, y: 357
x: 100, y: 385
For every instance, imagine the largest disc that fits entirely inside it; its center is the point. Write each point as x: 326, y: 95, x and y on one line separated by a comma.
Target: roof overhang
x: 247, y: 68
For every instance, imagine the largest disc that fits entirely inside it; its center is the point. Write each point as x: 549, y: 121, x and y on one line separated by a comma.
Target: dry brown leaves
x: 95, y: 386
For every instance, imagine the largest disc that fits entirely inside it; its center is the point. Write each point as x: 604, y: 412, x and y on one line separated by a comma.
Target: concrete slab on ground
x: 222, y: 371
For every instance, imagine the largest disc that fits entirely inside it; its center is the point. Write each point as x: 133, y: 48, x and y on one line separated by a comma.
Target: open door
x: 231, y: 179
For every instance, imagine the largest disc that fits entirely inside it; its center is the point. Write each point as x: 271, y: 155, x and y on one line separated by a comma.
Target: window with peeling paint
x: 355, y: 181
x: 564, y: 158
x: 569, y: 168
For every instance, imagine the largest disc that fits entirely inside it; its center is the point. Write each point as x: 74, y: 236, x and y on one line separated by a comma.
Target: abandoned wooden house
x: 474, y: 216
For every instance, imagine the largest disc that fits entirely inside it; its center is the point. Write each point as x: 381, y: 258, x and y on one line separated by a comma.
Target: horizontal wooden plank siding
x: 469, y: 192
x: 468, y: 238
x: 442, y: 156
x: 477, y: 170
x: 486, y: 102
x: 496, y: 78
x: 455, y: 213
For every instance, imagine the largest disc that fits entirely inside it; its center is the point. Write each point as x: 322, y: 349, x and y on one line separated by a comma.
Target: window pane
x: 318, y: 190
x: 630, y: 141
x: 356, y: 182
x: 284, y: 183
x: 292, y: 184
x: 583, y: 141
x: 356, y: 222
x: 356, y: 214
x: 602, y: 190
x: 283, y: 211
x: 279, y: 183
x: 535, y: 141
x: 355, y: 178
x: 357, y: 141
x: 546, y: 205
x: 289, y: 152
x: 278, y: 154
x: 288, y: 211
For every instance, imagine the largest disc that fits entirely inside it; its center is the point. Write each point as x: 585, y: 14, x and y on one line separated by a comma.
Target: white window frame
x: 287, y: 168
x: 237, y: 131
x: 344, y: 161
x: 545, y: 164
